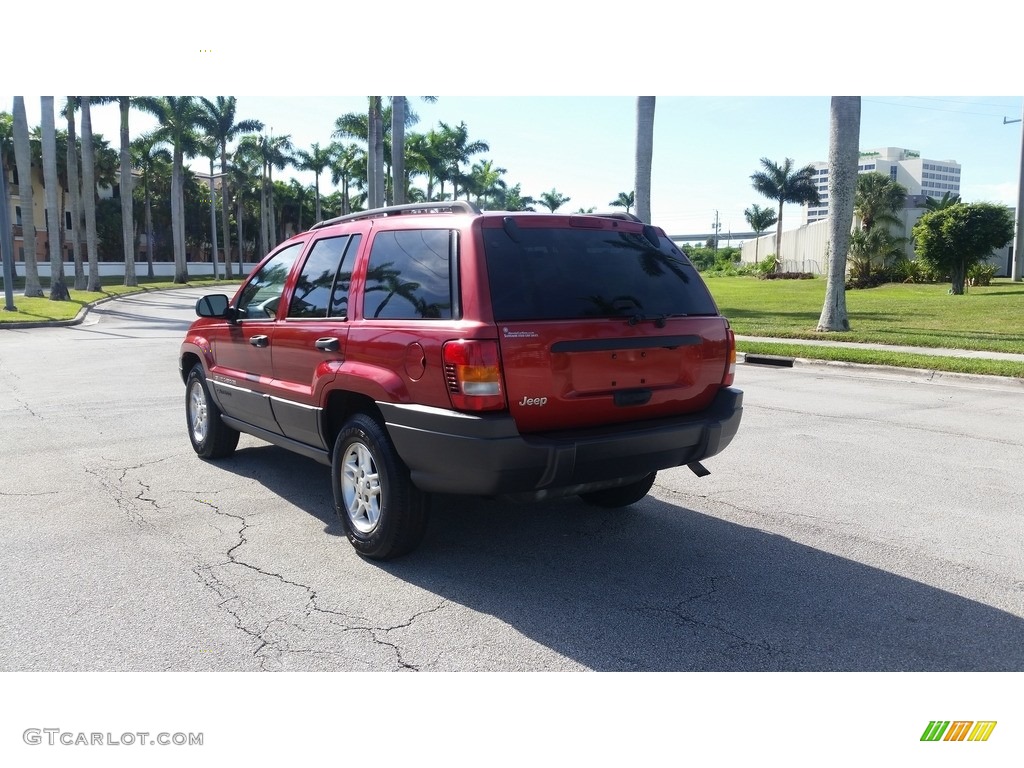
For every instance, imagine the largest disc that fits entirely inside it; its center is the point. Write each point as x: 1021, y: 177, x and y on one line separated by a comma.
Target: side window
x: 262, y: 293
x: 316, y: 283
x: 408, y: 275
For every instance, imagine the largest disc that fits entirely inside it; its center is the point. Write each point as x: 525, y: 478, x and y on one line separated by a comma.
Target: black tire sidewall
x: 401, y: 522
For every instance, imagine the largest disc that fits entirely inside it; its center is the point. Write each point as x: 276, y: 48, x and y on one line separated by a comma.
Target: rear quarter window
x: 409, y: 275
x: 548, y: 273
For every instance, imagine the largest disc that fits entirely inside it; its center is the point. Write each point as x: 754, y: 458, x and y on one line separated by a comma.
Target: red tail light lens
x: 730, y: 370
x: 472, y: 371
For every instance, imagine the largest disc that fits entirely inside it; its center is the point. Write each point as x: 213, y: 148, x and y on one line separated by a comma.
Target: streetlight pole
x: 1018, y: 239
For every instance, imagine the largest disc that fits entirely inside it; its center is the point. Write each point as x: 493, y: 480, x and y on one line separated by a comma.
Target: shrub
x: 981, y: 274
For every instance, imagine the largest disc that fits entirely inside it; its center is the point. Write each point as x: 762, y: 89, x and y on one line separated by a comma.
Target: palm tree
x: 843, y: 153
x: 454, y: 150
x: 73, y: 162
x: 58, y: 288
x: 180, y: 117
x: 151, y: 159
x: 220, y: 123
x: 344, y: 168
x: 89, y: 195
x: 553, y: 200
x: 23, y: 161
x: 486, y: 182
x: 786, y: 185
x: 316, y: 160
x: 124, y: 185
x: 6, y: 231
x: 625, y: 200
x: 759, y: 220
x: 644, y: 156
x: 514, y: 200
x: 246, y: 175
x: 878, y: 199
x: 947, y: 200
x: 401, y: 118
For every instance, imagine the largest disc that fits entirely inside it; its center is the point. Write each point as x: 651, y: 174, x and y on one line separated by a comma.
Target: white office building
x: 931, y: 178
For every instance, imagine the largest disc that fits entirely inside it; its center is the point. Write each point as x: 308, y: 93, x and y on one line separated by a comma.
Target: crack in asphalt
x: 269, y: 649
x: 123, y: 498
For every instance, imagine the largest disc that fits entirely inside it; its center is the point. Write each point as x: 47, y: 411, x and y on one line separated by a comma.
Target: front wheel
x: 383, y: 513
x: 211, y: 437
x: 621, y: 495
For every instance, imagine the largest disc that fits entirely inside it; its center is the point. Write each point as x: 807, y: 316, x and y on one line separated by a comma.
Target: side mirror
x: 214, y: 305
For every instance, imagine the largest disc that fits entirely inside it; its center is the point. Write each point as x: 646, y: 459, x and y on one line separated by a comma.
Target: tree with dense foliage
x: 485, y: 183
x: 344, y: 169
x: 625, y: 200
x: 644, y: 156
x: 785, y: 184
x: 553, y: 200
x: 953, y: 239
x: 759, y: 220
x: 843, y: 154
x: 513, y: 199
x: 23, y: 162
x: 220, y: 122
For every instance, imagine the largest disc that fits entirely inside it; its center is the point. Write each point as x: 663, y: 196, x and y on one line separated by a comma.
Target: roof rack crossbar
x: 445, y: 206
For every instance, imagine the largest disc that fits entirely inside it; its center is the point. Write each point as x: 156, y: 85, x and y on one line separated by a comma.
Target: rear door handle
x: 259, y: 341
x: 327, y: 344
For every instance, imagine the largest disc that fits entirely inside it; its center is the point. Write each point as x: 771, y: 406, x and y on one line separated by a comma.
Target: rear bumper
x: 451, y: 452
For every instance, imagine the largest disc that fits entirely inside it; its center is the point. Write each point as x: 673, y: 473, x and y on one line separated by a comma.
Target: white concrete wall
x: 112, y: 268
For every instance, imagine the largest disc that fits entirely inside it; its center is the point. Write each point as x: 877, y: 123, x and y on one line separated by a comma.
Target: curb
x: 84, y: 311
x: 926, y: 374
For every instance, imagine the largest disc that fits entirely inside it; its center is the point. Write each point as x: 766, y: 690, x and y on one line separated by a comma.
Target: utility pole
x: 716, y: 225
x: 1018, y: 239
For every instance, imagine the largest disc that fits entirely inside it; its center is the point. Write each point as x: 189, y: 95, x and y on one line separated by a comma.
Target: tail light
x: 730, y: 370
x: 472, y: 372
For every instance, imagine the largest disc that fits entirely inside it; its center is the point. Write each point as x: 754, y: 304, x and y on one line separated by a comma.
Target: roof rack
x: 447, y: 206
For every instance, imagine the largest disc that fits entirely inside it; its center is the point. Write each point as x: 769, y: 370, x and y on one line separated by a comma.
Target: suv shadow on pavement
x: 658, y: 587
x: 665, y: 588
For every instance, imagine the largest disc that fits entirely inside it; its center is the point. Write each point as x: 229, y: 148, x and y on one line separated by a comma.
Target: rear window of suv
x: 546, y: 273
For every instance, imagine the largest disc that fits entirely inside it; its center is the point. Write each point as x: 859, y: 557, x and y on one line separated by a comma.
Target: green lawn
x: 986, y: 318
x: 30, y: 310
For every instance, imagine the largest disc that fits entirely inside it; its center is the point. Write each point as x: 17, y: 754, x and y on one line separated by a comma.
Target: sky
x: 555, y: 102
x: 705, y: 147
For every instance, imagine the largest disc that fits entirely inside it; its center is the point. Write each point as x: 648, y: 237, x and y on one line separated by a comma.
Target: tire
x: 621, y: 495
x: 384, y: 515
x: 211, y: 437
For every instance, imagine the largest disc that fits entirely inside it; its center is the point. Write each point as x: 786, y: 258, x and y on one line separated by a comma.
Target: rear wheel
x: 211, y: 437
x: 620, y: 495
x: 383, y: 513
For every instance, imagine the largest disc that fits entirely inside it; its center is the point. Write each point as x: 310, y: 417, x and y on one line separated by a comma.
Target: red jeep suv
x: 434, y: 348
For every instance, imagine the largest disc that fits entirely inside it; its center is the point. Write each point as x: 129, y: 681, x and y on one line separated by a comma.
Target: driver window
x: 262, y: 294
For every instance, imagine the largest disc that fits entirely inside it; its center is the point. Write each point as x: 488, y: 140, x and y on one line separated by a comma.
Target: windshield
x: 558, y: 274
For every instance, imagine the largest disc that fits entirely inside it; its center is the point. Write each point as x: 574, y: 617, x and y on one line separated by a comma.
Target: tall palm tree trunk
x: 398, y: 148
x: 127, y: 219
x: 644, y: 156
x: 225, y: 227
x: 843, y: 154
x: 89, y: 195
x: 177, y: 217
x: 58, y: 288
x: 149, y: 229
x: 75, y: 189
x: 23, y: 162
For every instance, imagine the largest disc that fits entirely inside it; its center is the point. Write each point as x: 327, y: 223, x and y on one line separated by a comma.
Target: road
x: 861, y: 520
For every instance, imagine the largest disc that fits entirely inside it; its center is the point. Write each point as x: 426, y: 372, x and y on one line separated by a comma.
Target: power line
x: 936, y: 109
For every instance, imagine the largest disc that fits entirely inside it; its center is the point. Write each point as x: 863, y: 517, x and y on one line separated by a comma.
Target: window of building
x: 67, y: 220
x: 17, y: 215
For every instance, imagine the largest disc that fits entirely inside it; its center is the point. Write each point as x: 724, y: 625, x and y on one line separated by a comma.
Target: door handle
x: 259, y: 341
x: 327, y: 344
